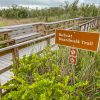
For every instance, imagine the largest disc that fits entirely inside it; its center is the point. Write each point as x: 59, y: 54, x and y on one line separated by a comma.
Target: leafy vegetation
x: 53, y: 13
x: 48, y: 76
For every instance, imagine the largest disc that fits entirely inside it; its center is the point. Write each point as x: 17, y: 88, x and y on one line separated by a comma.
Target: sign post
x: 73, y: 60
x: 76, y: 39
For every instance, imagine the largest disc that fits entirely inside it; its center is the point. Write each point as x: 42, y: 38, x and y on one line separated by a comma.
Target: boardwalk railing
x: 17, y: 49
x: 23, y: 32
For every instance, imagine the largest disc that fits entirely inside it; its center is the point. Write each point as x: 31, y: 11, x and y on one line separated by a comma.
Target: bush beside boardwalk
x: 50, y: 77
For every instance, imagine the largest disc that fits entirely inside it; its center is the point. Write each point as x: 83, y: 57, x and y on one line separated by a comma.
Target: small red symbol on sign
x: 73, y: 56
x: 73, y: 52
x: 72, y: 60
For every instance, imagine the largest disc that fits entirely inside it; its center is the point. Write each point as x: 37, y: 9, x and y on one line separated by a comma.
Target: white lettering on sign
x: 68, y: 38
x: 65, y: 35
x: 87, y: 43
x: 81, y: 40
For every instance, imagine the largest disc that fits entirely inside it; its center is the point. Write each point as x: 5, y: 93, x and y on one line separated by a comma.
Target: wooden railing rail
x: 3, y: 29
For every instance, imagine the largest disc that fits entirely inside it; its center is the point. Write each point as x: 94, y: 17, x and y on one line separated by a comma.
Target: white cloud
x: 91, y: 1
x: 42, y: 2
x: 32, y: 2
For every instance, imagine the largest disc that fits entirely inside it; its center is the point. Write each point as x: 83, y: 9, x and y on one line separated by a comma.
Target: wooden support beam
x: 48, y: 41
x: 6, y: 37
x: 15, y: 55
x: 6, y: 41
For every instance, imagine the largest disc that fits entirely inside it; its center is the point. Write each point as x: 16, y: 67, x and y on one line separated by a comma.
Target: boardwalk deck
x: 5, y: 77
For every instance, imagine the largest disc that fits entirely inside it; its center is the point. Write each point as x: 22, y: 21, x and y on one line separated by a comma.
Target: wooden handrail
x: 27, y: 42
x: 87, y: 22
x: 44, y: 23
x: 3, y: 31
x: 69, y: 20
x: 9, y: 29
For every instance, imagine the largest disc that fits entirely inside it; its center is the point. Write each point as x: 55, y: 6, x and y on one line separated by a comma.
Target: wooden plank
x: 21, y: 29
x: 7, y: 56
x: 5, y: 77
x: 25, y: 31
x: 33, y: 48
x: 4, y: 63
x: 7, y: 52
x: 9, y: 61
x: 20, y: 32
x: 6, y: 41
x: 26, y: 37
x: 5, y: 30
x: 5, y: 69
x: 14, y: 26
x: 27, y: 42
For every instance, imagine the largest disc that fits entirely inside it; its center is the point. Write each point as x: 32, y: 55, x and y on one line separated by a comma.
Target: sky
x: 41, y: 3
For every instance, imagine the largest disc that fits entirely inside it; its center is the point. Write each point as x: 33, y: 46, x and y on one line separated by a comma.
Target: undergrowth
x: 49, y: 76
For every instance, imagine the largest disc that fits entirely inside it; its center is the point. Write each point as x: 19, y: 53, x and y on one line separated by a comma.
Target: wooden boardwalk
x: 6, y: 60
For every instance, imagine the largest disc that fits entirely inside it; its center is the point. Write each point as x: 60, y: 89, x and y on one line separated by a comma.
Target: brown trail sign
x: 81, y: 40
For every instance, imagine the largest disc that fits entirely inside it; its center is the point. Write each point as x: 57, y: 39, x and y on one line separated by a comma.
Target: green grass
x: 2, y: 24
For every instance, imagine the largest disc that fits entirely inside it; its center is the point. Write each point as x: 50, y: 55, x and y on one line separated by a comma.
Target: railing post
x: 65, y: 24
x: 76, y: 25
x: 15, y: 56
x: 44, y: 28
x: 48, y: 41
x: 98, y: 24
x: 6, y: 37
x: 41, y: 28
x: 37, y: 28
